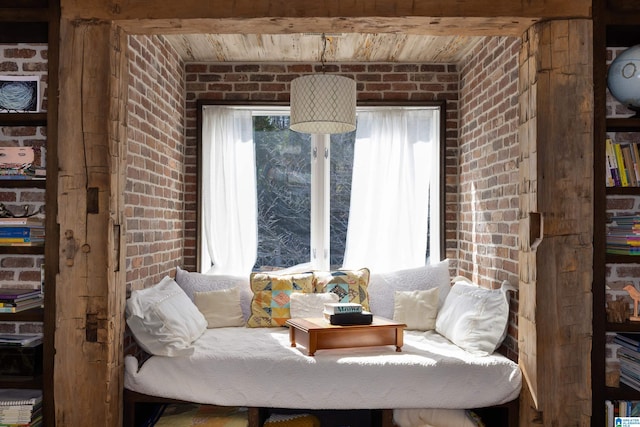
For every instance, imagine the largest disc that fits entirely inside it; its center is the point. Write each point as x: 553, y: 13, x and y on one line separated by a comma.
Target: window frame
x: 257, y: 104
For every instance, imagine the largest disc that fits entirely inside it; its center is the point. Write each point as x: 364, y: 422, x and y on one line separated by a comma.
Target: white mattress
x: 258, y: 367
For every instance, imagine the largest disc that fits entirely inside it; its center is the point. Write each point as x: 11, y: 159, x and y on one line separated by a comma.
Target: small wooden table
x: 318, y: 334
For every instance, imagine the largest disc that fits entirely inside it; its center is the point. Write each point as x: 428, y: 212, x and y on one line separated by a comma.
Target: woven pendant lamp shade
x: 323, y: 103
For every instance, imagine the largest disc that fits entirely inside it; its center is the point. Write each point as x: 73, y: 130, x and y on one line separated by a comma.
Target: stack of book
x: 15, y: 300
x: 623, y: 235
x: 629, y: 357
x: 622, y: 408
x: 346, y: 314
x: 20, y: 407
x: 623, y: 160
x: 21, y: 231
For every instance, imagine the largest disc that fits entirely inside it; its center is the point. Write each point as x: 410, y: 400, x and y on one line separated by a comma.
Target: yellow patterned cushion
x: 271, y: 297
x: 293, y: 420
x: 188, y: 415
x: 349, y: 285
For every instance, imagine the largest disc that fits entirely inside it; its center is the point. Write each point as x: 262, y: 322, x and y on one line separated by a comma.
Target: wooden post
x: 90, y: 286
x: 556, y: 176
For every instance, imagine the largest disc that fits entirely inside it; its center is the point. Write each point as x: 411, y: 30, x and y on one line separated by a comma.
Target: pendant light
x: 322, y: 103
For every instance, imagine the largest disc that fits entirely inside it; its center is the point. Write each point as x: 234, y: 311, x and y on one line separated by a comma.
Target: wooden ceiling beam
x: 189, y: 9
x: 436, y: 17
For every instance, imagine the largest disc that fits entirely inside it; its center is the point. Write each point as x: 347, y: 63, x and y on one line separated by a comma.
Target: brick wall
x: 23, y: 270
x: 488, y: 180
x: 270, y: 82
x: 154, y: 203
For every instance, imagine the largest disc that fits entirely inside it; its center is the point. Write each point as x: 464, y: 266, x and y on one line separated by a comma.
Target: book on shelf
x: 622, y: 170
x: 20, y: 303
x: 21, y: 340
x: 20, y: 407
x: 15, y: 231
x: 19, y: 396
x: 623, y: 235
x: 631, y: 341
x: 34, y: 303
x: 22, y: 221
x: 342, y: 307
x: 622, y: 163
x: 629, y: 357
x: 17, y: 294
x: 630, y: 165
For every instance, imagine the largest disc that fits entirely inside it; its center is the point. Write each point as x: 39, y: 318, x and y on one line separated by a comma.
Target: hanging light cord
x: 324, y: 50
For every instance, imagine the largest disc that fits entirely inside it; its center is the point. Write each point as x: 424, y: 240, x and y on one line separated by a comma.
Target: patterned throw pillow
x: 271, y: 302
x: 349, y: 285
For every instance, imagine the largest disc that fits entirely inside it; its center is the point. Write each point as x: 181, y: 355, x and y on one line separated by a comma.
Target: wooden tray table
x: 319, y: 334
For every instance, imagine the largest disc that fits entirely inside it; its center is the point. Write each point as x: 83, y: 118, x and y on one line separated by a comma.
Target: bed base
x: 506, y: 414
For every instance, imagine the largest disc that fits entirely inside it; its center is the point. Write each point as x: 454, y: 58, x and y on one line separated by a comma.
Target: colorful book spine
x: 14, y: 232
x: 613, y: 176
x: 624, y: 181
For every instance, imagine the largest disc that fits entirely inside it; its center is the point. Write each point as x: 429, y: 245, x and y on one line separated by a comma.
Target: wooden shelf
x: 622, y: 259
x: 627, y: 326
x: 32, y: 315
x: 21, y: 382
x: 631, y: 124
x: 24, y: 31
x: 21, y: 250
x: 623, y: 191
x: 23, y: 119
x: 624, y: 392
x: 23, y: 183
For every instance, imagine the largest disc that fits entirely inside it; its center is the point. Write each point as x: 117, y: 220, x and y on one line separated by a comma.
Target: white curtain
x: 395, y: 172
x: 229, y: 206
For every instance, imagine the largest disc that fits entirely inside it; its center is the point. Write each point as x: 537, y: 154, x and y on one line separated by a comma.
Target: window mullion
x: 320, y: 162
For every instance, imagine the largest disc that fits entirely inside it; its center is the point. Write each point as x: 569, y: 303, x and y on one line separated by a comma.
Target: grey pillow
x: 192, y: 282
x: 382, y: 286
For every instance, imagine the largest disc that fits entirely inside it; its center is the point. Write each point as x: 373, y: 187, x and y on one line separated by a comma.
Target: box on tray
x: 346, y: 319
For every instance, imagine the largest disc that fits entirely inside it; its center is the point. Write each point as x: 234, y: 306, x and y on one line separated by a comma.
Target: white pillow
x: 163, y: 320
x: 382, y: 286
x: 310, y: 305
x: 220, y: 308
x: 474, y: 318
x: 197, y: 282
x: 416, y: 309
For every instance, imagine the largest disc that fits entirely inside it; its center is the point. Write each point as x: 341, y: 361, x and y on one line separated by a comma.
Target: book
x: 342, y: 307
x: 627, y: 340
x: 14, y: 396
x: 622, y: 168
x: 629, y: 164
x: 19, y: 303
x: 37, y: 302
x: 21, y: 221
x: 15, y: 294
x: 15, y: 231
x: 613, y: 177
x: 15, y: 239
x: 22, y: 340
x: 609, y: 412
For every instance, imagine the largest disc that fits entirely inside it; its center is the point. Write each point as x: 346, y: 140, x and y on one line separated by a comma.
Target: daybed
x: 448, y: 360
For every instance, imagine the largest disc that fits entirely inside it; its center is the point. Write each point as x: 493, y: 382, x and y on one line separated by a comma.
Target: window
x: 273, y: 198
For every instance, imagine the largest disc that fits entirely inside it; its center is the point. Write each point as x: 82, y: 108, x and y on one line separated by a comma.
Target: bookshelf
x: 616, y: 25
x: 38, y: 22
